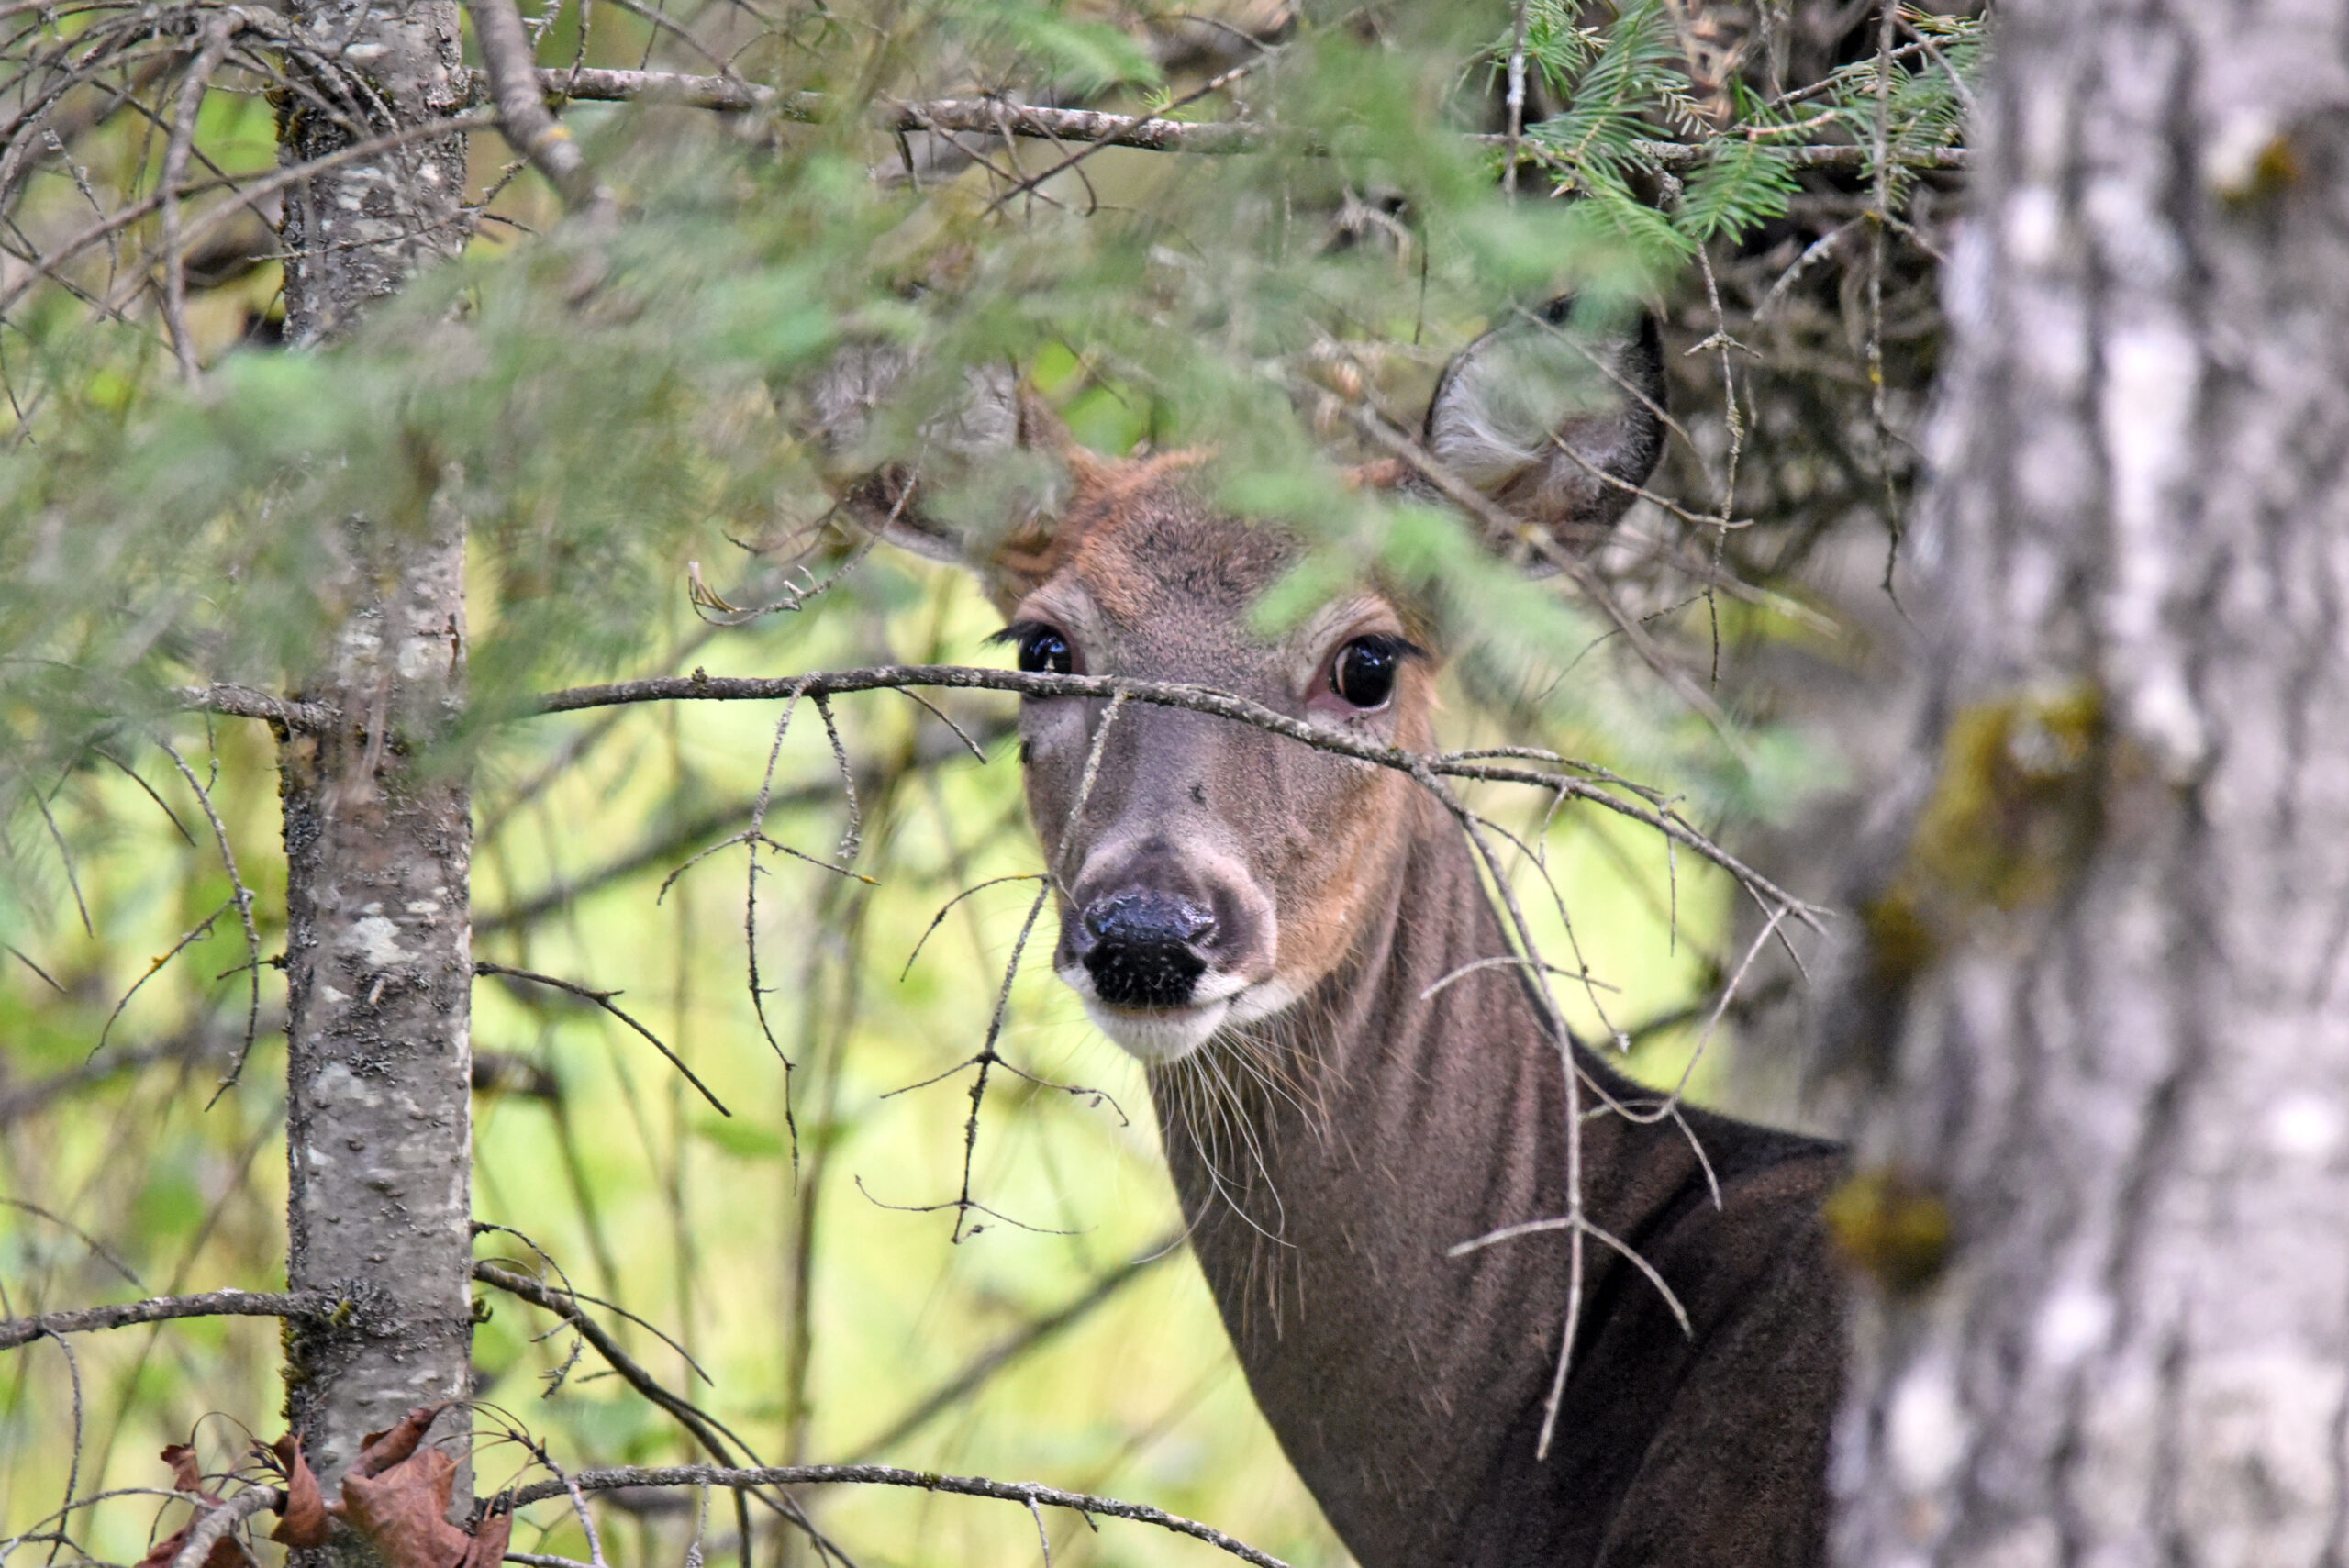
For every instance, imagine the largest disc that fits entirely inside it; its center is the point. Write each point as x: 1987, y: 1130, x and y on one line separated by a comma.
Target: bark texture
x: 379, y: 1128
x: 357, y: 231
x: 2100, y: 1047
x: 378, y: 835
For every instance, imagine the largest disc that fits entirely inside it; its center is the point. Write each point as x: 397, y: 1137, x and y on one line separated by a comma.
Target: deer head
x: 1208, y: 873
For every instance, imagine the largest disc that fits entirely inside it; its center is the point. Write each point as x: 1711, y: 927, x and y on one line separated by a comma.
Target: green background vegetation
x: 612, y: 414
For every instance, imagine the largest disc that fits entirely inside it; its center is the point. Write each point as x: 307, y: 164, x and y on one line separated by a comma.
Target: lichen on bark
x: 2119, y: 1054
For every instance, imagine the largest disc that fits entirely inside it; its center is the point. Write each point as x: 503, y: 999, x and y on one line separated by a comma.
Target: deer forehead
x: 1150, y: 569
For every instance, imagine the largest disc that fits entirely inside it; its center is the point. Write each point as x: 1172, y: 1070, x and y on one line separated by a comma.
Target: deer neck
x: 1328, y: 1164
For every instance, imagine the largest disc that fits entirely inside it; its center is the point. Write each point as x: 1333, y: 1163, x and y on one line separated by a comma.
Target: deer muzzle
x: 1142, y: 949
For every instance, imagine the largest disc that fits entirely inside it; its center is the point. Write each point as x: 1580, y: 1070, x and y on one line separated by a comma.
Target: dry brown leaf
x: 304, y: 1524
x: 396, y: 1494
x: 378, y: 1451
x: 404, y: 1510
x: 186, y: 1475
x: 487, y: 1549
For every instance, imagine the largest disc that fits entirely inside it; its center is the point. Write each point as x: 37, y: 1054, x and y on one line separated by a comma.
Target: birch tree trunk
x: 379, y: 1132
x: 2102, y: 1148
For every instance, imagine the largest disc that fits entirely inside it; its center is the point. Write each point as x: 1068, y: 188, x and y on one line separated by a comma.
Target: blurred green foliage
x: 615, y: 413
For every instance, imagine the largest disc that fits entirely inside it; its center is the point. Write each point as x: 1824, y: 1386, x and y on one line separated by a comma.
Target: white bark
x: 378, y: 834
x: 2108, y: 1017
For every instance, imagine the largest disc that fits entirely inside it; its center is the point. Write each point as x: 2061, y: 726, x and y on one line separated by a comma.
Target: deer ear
x: 981, y: 482
x: 1555, y: 422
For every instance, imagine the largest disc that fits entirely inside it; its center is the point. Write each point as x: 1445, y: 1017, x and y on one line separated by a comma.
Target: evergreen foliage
x: 621, y: 417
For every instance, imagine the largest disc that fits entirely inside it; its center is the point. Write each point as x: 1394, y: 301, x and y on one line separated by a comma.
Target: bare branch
x: 242, y: 897
x: 217, y: 33
x: 603, y: 999
x: 219, y: 1519
x: 195, y: 933
x: 243, y: 702
x: 705, y: 1429
x: 1011, y: 1347
x: 1164, y: 693
x: 523, y: 116
x: 947, y: 907
x: 1026, y: 1493
x: 15, y: 1331
x: 994, y: 116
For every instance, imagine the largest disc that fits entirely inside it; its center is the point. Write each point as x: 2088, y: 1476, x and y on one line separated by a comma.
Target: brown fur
x: 1331, y: 1155
x: 1334, y: 1128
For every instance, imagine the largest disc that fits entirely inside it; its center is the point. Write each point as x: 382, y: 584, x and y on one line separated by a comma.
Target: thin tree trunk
x: 2100, y: 1047
x: 378, y: 838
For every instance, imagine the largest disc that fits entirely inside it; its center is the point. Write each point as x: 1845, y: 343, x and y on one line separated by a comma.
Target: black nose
x: 1140, y: 948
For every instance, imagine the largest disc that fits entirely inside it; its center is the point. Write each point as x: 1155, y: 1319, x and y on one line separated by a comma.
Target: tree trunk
x: 357, y: 232
x: 2102, y: 1055
x: 378, y: 839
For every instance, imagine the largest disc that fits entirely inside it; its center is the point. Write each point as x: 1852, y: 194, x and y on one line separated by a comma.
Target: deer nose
x: 1141, y: 947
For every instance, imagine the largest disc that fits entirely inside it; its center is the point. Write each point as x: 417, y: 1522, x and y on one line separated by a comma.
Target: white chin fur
x: 1162, y: 1035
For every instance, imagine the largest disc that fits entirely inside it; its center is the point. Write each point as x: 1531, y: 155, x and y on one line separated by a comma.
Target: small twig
x: 1043, y: 1536
x: 852, y: 835
x: 701, y: 1528
x: 65, y: 856
x: 242, y: 897
x: 956, y: 1390
x: 193, y: 934
x: 217, y: 34
x: 1879, y: 235
x: 1510, y: 960
x: 946, y: 908
x: 74, y: 1468
x: 705, y: 1429
x: 47, y: 978
x: 579, y: 1508
x: 987, y: 1058
x: 1514, y: 146
x: 1735, y: 424
x: 943, y: 718
x: 1138, y: 126
x: 1535, y: 1227
x: 603, y: 999
x: 98, y: 1249
x: 127, y: 771
x: 753, y: 835
x: 1022, y: 1492
x: 1086, y: 779
x: 522, y: 114
x: 1670, y: 1104
x: 1963, y: 93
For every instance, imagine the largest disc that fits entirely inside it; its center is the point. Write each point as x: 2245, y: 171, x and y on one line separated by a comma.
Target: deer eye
x: 1043, y: 650
x: 1363, y: 672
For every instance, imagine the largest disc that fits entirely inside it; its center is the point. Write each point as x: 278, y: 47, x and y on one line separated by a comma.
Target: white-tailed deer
x: 1263, y: 924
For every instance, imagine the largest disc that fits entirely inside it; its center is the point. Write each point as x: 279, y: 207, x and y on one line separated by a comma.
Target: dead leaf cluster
x: 396, y: 1495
